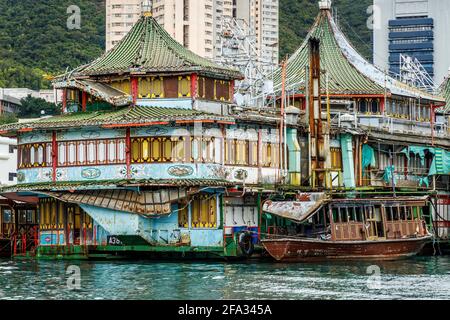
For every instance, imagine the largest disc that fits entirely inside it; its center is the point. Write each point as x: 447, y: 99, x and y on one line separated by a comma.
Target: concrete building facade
x: 263, y: 19
x: 48, y: 95
x: 197, y: 24
x: 417, y: 28
x: 8, y: 161
x: 121, y: 15
x: 8, y: 103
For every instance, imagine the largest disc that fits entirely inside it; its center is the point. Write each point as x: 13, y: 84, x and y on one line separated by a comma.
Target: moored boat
x: 379, y: 229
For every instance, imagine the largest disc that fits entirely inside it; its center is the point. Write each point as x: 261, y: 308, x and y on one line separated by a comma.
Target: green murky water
x: 418, y: 278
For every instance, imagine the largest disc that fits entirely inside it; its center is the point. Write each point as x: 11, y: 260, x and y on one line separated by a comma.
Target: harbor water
x: 417, y: 278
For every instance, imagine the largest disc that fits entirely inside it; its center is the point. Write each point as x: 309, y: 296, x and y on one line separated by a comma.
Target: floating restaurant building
x: 152, y: 157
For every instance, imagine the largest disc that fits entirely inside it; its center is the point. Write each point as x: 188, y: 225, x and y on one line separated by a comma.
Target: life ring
x: 246, y: 243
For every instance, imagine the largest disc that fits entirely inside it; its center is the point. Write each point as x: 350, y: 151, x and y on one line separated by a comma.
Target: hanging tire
x: 246, y: 243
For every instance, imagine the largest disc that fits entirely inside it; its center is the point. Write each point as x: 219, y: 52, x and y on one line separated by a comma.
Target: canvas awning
x: 297, y: 211
x: 157, y: 202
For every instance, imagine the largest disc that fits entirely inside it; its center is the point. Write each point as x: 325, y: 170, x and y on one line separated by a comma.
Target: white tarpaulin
x: 297, y: 211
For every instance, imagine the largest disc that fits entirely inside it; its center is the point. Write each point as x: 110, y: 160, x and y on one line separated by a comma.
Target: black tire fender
x: 245, y: 242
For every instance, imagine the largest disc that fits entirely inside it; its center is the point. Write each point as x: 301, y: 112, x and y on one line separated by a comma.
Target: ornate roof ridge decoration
x: 350, y: 74
x: 444, y: 90
x: 137, y: 116
x: 99, y: 90
x: 148, y: 48
x: 44, y: 187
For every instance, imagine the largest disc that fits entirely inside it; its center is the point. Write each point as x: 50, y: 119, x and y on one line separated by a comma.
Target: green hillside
x: 297, y: 16
x: 34, y: 39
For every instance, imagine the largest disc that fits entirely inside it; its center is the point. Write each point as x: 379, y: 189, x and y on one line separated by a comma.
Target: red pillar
x: 54, y: 155
x: 64, y: 101
x: 134, y: 89
x: 232, y: 84
x: 128, y: 152
x: 83, y: 101
x: 194, y: 86
x: 382, y: 105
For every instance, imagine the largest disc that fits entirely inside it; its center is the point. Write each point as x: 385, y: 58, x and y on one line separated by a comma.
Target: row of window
x: 73, y: 153
x: 56, y: 215
x: 361, y: 214
x: 206, y: 150
x: 395, y: 108
x: 177, y: 87
x: 414, y: 165
x: 34, y: 155
x: 155, y: 150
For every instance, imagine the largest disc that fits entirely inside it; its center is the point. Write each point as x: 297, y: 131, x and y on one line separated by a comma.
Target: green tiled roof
x: 135, y: 115
x: 444, y: 90
x: 149, y: 48
x: 112, y: 184
x: 344, y: 78
x: 348, y: 72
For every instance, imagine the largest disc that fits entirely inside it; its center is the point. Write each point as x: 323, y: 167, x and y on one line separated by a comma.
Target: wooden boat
x: 378, y: 229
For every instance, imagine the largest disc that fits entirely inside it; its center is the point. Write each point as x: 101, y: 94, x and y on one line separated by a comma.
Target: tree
x: 33, y: 107
x: 7, y: 118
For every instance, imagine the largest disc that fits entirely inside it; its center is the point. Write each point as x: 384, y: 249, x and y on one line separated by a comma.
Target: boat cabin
x: 351, y: 219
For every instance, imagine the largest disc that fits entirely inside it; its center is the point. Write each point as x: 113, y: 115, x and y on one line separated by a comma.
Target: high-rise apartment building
x: 197, y: 24
x: 121, y: 15
x: 263, y: 19
x: 416, y: 28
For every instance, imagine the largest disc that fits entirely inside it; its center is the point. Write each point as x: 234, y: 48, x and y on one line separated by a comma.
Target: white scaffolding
x: 413, y: 73
x: 238, y: 48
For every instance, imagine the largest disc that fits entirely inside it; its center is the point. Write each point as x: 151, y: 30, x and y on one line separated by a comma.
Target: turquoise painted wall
x: 347, y: 161
x: 163, y: 230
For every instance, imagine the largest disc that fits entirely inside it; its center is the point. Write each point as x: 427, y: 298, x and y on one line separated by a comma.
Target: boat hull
x: 303, y: 250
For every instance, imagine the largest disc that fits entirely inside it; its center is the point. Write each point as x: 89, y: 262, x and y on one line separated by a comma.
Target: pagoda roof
x: 148, y: 48
x: 348, y: 72
x: 125, y: 117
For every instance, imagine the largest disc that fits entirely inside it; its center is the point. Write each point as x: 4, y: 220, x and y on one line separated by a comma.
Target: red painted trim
x: 54, y: 156
x: 442, y: 224
x: 3, y: 131
x: 194, y: 86
x: 25, y: 130
x: 134, y: 89
x: 83, y: 101
x: 128, y: 152
x: 226, y: 122
x: 232, y: 85
x: 132, y: 125
x: 194, y: 121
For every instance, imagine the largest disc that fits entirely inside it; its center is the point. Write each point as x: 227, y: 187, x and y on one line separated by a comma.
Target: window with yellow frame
x: 122, y: 85
x: 151, y: 87
x: 184, y: 86
x: 204, y: 212
x: 183, y: 215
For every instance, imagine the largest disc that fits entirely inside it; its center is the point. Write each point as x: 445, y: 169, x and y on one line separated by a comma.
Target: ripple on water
x: 423, y: 278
